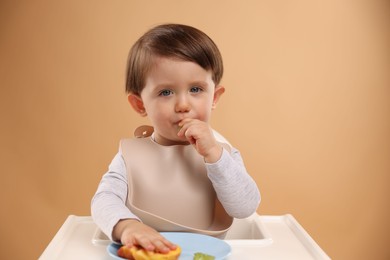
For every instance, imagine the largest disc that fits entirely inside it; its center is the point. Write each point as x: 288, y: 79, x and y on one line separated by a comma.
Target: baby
x: 177, y: 176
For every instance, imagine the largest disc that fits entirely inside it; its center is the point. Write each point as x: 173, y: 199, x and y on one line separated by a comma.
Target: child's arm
x: 132, y: 232
x: 235, y: 188
x: 201, y: 136
x: 110, y: 213
x: 108, y: 204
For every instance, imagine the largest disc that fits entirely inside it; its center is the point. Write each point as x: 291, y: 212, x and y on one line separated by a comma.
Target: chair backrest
x: 220, y: 138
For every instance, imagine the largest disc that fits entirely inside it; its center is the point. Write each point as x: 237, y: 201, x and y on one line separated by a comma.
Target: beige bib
x: 170, y: 190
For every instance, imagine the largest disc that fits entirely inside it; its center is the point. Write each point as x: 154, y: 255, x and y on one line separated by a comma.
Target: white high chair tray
x: 256, y: 237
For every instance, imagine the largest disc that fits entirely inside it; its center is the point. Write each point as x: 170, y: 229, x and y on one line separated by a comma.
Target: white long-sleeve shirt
x: 235, y: 189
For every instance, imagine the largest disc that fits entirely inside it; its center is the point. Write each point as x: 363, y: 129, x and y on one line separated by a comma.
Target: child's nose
x: 182, y: 105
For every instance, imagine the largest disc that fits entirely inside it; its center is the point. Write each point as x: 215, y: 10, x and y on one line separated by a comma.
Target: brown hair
x: 171, y: 41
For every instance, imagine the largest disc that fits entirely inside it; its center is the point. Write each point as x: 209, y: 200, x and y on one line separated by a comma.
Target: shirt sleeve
x: 108, y: 205
x: 235, y: 188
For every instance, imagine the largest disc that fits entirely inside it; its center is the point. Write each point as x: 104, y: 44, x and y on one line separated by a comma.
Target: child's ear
x: 219, y: 90
x: 137, y: 104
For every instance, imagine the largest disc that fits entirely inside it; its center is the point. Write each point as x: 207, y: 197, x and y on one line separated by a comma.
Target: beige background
x: 307, y: 104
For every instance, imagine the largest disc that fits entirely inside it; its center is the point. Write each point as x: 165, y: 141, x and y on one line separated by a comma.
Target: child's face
x: 176, y: 90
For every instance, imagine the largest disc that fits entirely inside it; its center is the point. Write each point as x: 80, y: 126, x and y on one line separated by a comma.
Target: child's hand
x: 200, y: 135
x: 132, y: 232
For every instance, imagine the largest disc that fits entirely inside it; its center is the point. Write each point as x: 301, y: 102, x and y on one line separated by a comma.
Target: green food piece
x: 201, y: 256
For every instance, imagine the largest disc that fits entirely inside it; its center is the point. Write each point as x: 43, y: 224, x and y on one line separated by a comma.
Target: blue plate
x: 190, y: 244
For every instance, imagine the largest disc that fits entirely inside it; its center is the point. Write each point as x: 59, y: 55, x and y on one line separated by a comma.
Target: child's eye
x: 195, y: 89
x: 165, y: 92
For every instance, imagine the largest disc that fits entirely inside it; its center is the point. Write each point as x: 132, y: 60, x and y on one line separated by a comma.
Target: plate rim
x: 228, y: 246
